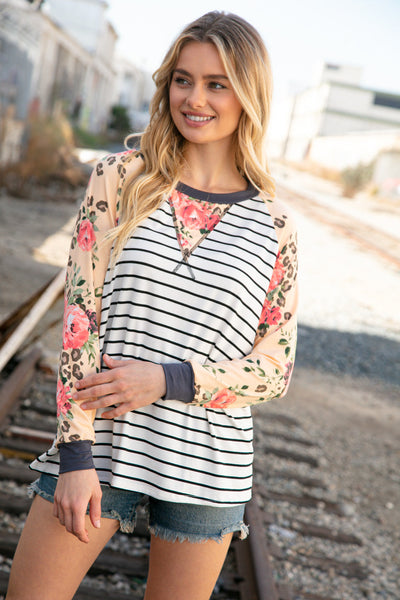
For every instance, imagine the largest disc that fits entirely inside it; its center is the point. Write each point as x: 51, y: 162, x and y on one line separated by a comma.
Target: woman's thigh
x: 188, y: 547
x: 182, y: 570
x: 50, y: 562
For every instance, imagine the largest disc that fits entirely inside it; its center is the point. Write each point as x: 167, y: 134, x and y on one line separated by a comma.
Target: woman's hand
x: 129, y: 384
x: 74, y: 491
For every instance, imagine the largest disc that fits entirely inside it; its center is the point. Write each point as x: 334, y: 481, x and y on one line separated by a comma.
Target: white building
x: 134, y: 90
x: 85, y: 20
x: 85, y: 23
x: 337, y: 106
x: 43, y: 66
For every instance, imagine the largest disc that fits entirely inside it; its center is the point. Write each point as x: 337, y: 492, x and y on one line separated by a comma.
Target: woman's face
x: 203, y: 104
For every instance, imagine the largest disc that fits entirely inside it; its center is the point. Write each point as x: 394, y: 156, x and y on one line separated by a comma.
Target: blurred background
x: 76, y: 78
x: 82, y: 69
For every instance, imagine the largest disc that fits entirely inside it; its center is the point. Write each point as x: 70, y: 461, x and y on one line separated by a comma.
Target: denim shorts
x: 170, y: 521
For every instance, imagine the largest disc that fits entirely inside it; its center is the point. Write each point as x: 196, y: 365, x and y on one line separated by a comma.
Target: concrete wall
x: 387, y: 171
x: 43, y: 67
x: 82, y: 19
x: 348, y: 150
x: 336, y: 108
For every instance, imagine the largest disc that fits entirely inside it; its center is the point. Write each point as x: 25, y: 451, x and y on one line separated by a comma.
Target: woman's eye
x: 181, y: 81
x: 216, y: 85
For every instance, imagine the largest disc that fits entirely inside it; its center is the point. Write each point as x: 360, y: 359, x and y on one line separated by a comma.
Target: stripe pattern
x: 170, y: 450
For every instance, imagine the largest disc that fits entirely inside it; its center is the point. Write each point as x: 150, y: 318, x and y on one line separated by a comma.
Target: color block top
x: 207, y: 280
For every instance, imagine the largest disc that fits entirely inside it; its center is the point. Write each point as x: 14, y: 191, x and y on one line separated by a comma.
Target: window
x: 388, y: 100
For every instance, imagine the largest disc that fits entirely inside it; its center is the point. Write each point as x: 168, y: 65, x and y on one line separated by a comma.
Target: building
x: 134, y: 90
x: 44, y: 67
x: 85, y: 83
x: 339, y: 106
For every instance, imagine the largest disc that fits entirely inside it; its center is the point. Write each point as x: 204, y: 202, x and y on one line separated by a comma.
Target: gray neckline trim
x: 230, y: 198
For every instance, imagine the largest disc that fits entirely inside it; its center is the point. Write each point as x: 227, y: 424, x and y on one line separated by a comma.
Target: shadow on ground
x: 355, y: 354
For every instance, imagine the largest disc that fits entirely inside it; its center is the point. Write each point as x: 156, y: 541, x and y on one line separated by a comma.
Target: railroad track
x: 27, y: 406
x: 25, y: 431
x: 373, y: 240
x: 288, y: 478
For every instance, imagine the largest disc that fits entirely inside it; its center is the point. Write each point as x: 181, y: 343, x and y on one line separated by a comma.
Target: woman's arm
x: 78, y: 484
x: 265, y: 373
x: 87, y: 266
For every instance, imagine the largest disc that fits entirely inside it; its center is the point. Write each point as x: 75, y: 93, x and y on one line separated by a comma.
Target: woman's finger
x: 113, y: 362
x: 67, y: 520
x: 55, y: 508
x: 103, y: 402
x: 78, y: 526
x: 94, y: 379
x: 58, y: 512
x: 98, y: 391
x: 122, y: 409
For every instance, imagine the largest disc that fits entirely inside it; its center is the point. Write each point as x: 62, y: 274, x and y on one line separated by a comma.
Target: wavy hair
x: 246, y: 61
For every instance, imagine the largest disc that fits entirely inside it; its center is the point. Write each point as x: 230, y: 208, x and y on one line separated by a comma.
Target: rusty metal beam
x: 262, y: 563
x: 14, y: 384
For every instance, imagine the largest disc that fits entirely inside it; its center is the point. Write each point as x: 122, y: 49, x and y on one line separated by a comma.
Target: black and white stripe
x: 172, y: 450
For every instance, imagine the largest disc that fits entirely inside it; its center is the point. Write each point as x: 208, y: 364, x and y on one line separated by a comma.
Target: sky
x: 299, y: 34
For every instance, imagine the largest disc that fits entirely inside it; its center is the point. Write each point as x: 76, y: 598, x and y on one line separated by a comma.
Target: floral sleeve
x: 87, y: 265
x: 265, y: 373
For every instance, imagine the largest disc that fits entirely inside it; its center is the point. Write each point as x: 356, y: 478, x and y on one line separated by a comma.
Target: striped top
x: 202, y: 296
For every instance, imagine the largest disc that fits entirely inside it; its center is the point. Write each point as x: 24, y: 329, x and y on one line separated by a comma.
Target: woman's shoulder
x: 108, y: 178
x: 118, y: 166
x: 282, y: 215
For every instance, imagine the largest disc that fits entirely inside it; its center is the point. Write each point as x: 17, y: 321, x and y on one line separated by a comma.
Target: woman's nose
x: 197, y: 96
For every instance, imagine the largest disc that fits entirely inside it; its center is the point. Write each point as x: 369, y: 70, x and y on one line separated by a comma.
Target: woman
x: 179, y: 314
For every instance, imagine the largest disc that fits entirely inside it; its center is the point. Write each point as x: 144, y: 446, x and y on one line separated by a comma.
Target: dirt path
x: 34, y: 239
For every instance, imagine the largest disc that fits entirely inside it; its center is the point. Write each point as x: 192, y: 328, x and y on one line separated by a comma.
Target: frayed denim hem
x: 125, y: 525
x: 33, y: 489
x: 195, y: 538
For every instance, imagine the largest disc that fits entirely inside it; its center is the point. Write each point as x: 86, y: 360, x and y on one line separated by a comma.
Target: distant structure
x: 134, y: 90
x: 91, y: 82
x: 59, y: 55
x: 336, y: 106
x: 85, y: 21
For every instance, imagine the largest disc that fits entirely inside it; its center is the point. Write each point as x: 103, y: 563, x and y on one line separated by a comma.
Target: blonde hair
x: 248, y: 68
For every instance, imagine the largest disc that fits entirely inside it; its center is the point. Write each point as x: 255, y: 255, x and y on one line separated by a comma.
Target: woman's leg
x: 49, y: 562
x: 182, y: 570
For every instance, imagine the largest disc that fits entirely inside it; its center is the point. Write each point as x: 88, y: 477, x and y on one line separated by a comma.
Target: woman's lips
x: 197, y: 120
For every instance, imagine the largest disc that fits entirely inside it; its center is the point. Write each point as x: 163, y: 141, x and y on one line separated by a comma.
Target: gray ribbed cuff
x: 76, y: 456
x: 179, y: 379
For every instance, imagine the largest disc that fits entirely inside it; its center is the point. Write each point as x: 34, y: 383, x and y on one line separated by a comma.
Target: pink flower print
x: 86, y: 237
x: 274, y: 316
x: 76, y: 327
x: 277, y: 275
x: 192, y: 215
x: 63, y: 398
x: 176, y: 198
x: 269, y: 315
x: 183, y: 241
x: 212, y: 221
x: 221, y: 399
x: 288, y: 372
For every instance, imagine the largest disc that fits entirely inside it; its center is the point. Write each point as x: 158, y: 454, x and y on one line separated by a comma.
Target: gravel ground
x: 346, y: 395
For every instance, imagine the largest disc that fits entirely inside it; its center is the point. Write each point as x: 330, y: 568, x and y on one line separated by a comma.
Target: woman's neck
x: 208, y: 169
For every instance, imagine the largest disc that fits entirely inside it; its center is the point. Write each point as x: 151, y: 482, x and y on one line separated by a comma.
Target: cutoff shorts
x: 170, y: 521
